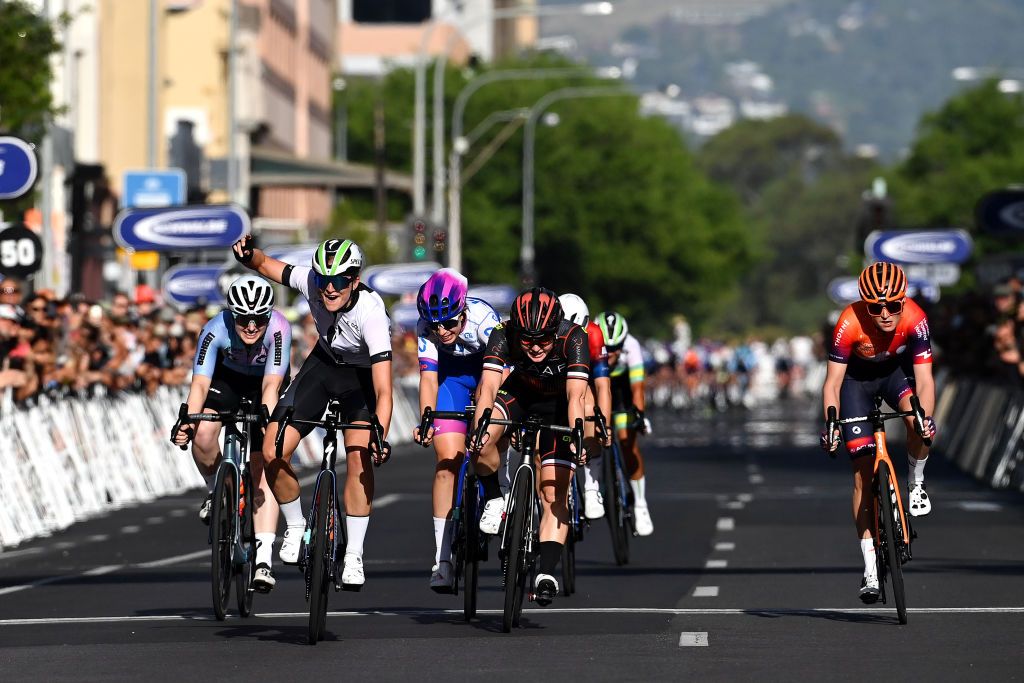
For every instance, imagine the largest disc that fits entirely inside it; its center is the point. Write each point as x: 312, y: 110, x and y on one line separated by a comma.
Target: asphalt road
x: 752, y: 572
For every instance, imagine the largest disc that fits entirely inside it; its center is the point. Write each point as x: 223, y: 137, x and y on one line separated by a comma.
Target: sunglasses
x: 339, y: 282
x: 894, y: 308
x: 449, y: 325
x: 245, y: 321
x: 545, y: 340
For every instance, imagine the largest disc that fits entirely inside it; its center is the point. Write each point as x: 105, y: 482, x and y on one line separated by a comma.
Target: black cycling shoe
x: 869, y: 591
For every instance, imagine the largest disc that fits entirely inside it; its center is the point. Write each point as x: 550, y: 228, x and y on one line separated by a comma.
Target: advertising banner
x: 181, y: 229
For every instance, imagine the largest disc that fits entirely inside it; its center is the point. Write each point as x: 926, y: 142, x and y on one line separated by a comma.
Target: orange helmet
x: 881, y: 282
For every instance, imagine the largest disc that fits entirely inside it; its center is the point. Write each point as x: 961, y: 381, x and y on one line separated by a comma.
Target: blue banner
x: 1001, y: 212
x: 405, y: 315
x: 295, y: 254
x: 153, y: 188
x: 18, y: 167
x: 919, y: 246
x: 498, y: 296
x: 180, y: 229
x: 190, y: 285
x: 844, y: 290
x: 400, y: 278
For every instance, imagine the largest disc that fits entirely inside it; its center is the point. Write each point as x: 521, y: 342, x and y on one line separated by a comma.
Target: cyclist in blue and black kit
x: 242, y: 352
x: 453, y: 330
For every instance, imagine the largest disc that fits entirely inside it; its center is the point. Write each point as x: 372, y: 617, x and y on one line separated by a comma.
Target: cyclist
x: 576, y: 311
x: 452, y: 332
x: 242, y: 353
x: 626, y: 363
x: 551, y: 370
x: 880, y: 347
x: 351, y: 362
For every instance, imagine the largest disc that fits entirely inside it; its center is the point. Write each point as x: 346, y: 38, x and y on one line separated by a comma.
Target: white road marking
x: 693, y: 639
x: 64, y: 545
x: 10, y: 554
x: 173, y: 560
x: 725, y: 524
x: 96, y: 571
x: 716, y: 564
x: 98, y: 538
x: 745, y: 497
x: 547, y: 610
x: 178, y: 513
x: 130, y: 529
x: 100, y: 571
x: 386, y: 500
x: 756, y: 479
x: 154, y: 520
x: 725, y: 546
x: 978, y: 506
x: 734, y: 505
x: 705, y: 592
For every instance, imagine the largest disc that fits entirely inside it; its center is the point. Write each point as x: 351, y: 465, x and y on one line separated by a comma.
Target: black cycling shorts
x: 227, y: 389
x: 516, y: 402
x: 319, y: 380
x: 622, y: 394
x: 857, y: 398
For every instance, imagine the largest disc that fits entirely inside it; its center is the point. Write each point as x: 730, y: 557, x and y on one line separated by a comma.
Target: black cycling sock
x: 550, y: 554
x: 492, y: 489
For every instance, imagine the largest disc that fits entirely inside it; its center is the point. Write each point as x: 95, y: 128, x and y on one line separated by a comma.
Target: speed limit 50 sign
x: 21, y: 251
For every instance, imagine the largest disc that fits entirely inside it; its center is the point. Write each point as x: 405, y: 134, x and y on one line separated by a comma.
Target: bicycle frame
x: 882, y: 455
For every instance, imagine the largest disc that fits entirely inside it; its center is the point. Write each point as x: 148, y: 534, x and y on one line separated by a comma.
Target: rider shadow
x: 187, y: 613
x: 487, y: 623
x: 829, y: 615
x: 269, y: 632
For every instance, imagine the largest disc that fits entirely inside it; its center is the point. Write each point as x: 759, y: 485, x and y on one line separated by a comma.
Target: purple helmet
x: 443, y: 296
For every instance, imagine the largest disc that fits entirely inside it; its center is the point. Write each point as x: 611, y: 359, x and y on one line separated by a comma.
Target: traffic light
x: 419, y: 241
x: 440, y: 240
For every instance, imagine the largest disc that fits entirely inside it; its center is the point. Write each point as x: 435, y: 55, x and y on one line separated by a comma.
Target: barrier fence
x: 67, y: 460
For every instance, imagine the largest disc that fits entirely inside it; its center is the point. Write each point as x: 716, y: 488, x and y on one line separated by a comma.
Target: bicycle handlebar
x: 916, y: 412
x: 600, y: 423
x: 330, y: 423
x: 261, y: 418
x: 575, y: 431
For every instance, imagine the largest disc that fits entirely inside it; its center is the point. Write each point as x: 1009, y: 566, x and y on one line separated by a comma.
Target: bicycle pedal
x: 352, y: 587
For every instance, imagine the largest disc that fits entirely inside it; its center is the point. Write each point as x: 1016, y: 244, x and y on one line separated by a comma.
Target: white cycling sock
x: 442, y: 539
x: 292, y: 513
x: 265, y: 547
x: 356, y: 530
x: 639, y: 486
x: 210, y: 479
x: 915, y: 470
x: 590, y: 481
x: 867, y: 549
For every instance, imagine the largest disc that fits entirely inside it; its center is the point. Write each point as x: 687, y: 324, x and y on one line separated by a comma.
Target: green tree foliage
x: 26, y: 43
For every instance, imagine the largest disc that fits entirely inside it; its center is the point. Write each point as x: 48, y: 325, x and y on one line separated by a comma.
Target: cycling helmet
x: 250, y: 295
x: 535, y: 313
x: 613, y: 327
x: 443, y: 296
x: 575, y: 309
x: 882, y: 282
x: 338, y: 257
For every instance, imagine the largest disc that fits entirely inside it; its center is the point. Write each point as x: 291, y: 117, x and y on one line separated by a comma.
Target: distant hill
x: 868, y: 68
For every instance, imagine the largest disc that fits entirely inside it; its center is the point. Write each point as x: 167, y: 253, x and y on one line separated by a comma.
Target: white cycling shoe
x: 545, y: 588
x: 593, y: 504
x: 205, y: 509
x: 490, y: 518
x: 642, y: 521
x: 290, y: 545
x: 869, y: 589
x: 263, y: 581
x: 441, y: 576
x: 920, y: 504
x: 352, y: 577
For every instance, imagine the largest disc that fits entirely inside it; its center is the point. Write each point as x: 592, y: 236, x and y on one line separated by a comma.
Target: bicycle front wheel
x: 247, y: 541
x: 222, y: 538
x: 614, y: 507
x: 890, y: 527
x: 471, y: 547
x: 319, y: 568
x: 515, y: 555
x: 569, y: 549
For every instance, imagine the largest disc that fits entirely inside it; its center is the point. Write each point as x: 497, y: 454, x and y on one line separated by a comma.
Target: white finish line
x: 693, y: 639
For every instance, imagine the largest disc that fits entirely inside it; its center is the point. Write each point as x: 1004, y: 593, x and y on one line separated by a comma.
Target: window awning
x: 274, y: 168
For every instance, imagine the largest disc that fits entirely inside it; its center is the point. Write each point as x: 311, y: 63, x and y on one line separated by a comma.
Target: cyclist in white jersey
x: 351, y: 362
x: 453, y: 330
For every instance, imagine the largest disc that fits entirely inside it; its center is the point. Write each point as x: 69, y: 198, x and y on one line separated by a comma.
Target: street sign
x: 21, y: 251
x: 942, y: 274
x: 1001, y: 212
x: 181, y: 229
x: 399, y: 278
x: 152, y: 188
x: 844, y: 290
x: 500, y: 297
x: 919, y: 246
x: 18, y: 167
x: 190, y: 285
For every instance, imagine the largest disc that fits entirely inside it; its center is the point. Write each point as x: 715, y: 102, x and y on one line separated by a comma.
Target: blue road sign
x: 153, y: 188
x: 399, y: 278
x: 18, y: 167
x: 844, y: 290
x: 498, y: 296
x: 919, y: 246
x: 179, y: 229
x: 188, y: 285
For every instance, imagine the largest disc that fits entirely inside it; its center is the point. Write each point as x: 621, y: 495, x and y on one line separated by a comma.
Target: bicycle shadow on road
x: 271, y: 632
x: 488, y: 623
x: 829, y: 615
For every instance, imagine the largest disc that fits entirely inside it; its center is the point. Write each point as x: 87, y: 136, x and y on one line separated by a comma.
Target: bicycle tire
x: 614, y: 509
x: 515, y: 556
x: 471, y: 548
x: 247, y: 539
x: 891, y: 537
x: 569, y: 549
x: 319, y: 560
x: 222, y: 540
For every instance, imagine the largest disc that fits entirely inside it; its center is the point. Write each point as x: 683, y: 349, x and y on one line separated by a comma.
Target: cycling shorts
x: 227, y: 389
x: 454, y: 393
x: 623, y: 409
x: 856, y: 398
x: 515, y: 402
x: 319, y: 380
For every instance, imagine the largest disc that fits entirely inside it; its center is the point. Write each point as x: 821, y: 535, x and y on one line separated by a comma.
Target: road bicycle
x: 324, y: 540
x: 469, y: 546
x: 618, y: 498
x: 522, y: 514
x: 232, y: 536
x: 893, y: 531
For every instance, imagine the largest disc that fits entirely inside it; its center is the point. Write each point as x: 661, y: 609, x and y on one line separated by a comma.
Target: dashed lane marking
x: 11, y: 554
x: 98, y: 538
x: 716, y: 564
x: 174, y: 560
x: 96, y: 571
x: 725, y: 546
x: 178, y: 513
x: 755, y: 479
x: 725, y: 524
x: 734, y: 505
x: 745, y: 497
x: 154, y: 520
x: 64, y: 545
x: 693, y: 639
x: 705, y: 592
x: 130, y: 529
x: 978, y: 506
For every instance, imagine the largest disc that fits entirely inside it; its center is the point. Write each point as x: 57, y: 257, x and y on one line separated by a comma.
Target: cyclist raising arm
x: 880, y: 347
x: 350, y: 362
x: 242, y: 352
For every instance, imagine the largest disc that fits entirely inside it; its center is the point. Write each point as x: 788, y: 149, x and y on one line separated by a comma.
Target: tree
x: 26, y: 43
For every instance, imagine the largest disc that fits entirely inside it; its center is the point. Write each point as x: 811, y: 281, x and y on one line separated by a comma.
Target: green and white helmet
x: 338, y: 257
x: 613, y: 327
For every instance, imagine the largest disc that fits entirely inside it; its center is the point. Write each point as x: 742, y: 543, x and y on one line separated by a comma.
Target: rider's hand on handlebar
x: 930, y: 430
x: 183, y: 436
x: 380, y: 457
x: 829, y: 445
x: 422, y: 439
x: 643, y: 425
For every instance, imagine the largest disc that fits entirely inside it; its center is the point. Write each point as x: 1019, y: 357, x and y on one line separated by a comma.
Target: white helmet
x: 250, y: 295
x: 575, y: 309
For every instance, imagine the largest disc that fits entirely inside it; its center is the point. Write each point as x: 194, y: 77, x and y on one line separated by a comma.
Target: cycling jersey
x: 569, y: 358
x: 598, y: 351
x: 358, y: 335
x: 468, y: 350
x: 219, y: 344
x: 869, y: 352
x: 631, y: 359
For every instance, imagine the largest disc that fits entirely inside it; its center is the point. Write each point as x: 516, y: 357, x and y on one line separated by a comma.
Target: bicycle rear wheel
x: 891, y: 538
x: 614, y: 509
x: 320, y: 543
x: 515, y: 554
x: 471, y: 547
x: 247, y: 540
x: 222, y: 538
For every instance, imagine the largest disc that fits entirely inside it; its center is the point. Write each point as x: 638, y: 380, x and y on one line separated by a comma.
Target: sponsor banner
x: 942, y: 274
x: 1001, y: 212
x: 399, y: 278
x: 18, y: 167
x: 919, y: 246
x: 180, y: 229
x: 844, y: 290
x: 21, y: 251
x: 153, y: 188
x: 295, y: 254
x: 498, y: 296
x: 405, y: 316
x: 190, y: 285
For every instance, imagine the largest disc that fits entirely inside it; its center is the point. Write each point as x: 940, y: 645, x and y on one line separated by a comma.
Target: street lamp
x: 526, y: 252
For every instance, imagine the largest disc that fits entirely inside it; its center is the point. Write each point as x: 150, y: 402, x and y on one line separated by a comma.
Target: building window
x: 391, y: 11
